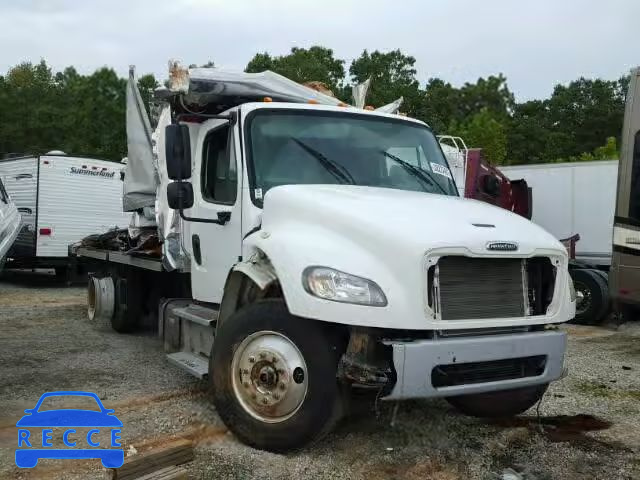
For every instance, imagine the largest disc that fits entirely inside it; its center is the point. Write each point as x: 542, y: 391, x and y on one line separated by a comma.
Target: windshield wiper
x: 415, y: 171
x: 332, y: 167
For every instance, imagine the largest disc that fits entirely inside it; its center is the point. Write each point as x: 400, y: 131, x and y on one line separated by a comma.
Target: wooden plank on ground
x: 169, y: 473
x: 169, y: 455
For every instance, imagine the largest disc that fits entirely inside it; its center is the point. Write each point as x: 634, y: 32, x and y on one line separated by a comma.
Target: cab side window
x: 219, y: 171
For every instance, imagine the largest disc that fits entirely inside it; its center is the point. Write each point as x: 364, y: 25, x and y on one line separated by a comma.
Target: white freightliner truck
x: 321, y: 248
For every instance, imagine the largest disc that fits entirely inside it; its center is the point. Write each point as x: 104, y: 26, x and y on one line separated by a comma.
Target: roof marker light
x: 267, y: 99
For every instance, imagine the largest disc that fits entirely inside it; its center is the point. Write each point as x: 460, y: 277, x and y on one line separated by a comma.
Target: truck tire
x: 128, y: 308
x: 501, y: 404
x: 592, y: 294
x: 273, y: 377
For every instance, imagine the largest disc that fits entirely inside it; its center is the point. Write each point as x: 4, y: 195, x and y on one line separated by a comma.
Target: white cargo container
x: 62, y: 199
x: 570, y: 198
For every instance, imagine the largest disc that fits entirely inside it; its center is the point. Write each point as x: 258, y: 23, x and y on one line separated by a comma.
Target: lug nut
x: 263, y: 355
x: 252, y: 359
x: 245, y: 371
x: 282, y: 386
x: 276, y: 396
x: 265, y: 400
x: 274, y: 360
x: 245, y: 384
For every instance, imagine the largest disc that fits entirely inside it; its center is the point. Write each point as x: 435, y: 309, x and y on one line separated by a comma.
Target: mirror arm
x: 223, y: 217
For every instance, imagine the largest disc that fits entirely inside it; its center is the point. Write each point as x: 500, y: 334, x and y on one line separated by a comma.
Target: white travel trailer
x: 62, y: 199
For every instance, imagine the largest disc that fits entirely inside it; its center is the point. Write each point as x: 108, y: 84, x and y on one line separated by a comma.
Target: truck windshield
x: 302, y: 147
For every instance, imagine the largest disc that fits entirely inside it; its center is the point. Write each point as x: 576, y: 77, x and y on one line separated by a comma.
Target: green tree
x: 587, y: 112
x: 393, y: 75
x: 303, y: 65
x: 440, y: 105
x: 485, y: 131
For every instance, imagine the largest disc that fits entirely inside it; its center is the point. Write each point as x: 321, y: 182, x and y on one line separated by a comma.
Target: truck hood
x: 387, y: 236
x: 398, y: 220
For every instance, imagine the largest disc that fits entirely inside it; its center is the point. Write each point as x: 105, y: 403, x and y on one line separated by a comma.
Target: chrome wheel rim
x: 583, y: 298
x: 269, y: 376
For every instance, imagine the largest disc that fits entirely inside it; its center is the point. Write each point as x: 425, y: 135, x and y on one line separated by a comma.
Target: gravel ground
x: 588, y: 425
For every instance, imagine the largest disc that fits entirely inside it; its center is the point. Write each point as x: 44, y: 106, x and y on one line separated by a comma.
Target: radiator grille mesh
x: 478, y: 288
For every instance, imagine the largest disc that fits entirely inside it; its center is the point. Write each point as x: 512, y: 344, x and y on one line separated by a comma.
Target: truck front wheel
x: 504, y: 403
x: 274, y: 377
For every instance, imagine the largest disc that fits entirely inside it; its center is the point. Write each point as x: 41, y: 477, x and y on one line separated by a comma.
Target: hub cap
x: 269, y: 376
x: 583, y: 297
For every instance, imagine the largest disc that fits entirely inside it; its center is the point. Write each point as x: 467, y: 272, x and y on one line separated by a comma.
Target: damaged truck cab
x: 327, y: 249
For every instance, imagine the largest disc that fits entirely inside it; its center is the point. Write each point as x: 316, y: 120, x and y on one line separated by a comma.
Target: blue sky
x: 535, y: 44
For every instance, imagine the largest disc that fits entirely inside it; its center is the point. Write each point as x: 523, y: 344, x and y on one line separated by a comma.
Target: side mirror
x: 178, y: 152
x: 180, y: 195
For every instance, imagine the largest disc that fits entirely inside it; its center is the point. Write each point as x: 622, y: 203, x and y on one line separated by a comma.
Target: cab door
x: 217, y: 186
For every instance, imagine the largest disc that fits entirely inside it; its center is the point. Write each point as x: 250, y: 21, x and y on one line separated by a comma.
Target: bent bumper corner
x: 459, y: 366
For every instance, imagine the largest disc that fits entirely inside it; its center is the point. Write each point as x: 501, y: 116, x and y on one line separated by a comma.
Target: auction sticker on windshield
x: 56, y: 428
x: 440, y: 169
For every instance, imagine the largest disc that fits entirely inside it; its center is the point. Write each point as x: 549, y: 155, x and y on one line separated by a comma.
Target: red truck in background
x: 478, y: 179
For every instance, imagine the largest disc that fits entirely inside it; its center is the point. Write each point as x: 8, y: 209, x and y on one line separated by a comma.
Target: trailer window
x: 219, y: 172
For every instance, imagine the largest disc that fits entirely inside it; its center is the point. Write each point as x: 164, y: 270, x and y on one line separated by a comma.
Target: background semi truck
x: 304, y: 247
x: 576, y: 201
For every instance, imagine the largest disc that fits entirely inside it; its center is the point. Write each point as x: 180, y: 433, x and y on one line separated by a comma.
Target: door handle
x: 195, y: 246
x: 224, y: 217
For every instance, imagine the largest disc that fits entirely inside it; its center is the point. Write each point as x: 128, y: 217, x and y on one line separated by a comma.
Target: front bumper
x: 415, y: 361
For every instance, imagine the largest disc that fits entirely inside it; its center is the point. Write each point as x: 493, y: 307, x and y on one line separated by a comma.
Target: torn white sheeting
x: 359, y: 93
x: 202, y: 86
x: 392, y: 107
x: 140, y: 180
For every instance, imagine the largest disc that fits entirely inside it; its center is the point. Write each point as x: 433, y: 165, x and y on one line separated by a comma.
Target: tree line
x: 42, y: 110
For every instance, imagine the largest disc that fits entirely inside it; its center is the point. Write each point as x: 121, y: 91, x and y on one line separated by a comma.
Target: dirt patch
x: 620, y: 343
x: 603, y: 390
x: 424, y: 470
x: 586, y: 331
x: 49, y: 345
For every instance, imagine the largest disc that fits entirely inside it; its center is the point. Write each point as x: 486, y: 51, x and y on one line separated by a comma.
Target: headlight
x: 330, y: 284
x: 572, y: 289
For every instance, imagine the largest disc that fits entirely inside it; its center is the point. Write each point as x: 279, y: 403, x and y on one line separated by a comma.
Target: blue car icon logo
x: 34, y: 444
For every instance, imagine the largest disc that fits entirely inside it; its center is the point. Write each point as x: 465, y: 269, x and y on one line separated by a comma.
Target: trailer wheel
x: 592, y: 294
x: 274, y: 377
x: 505, y: 403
